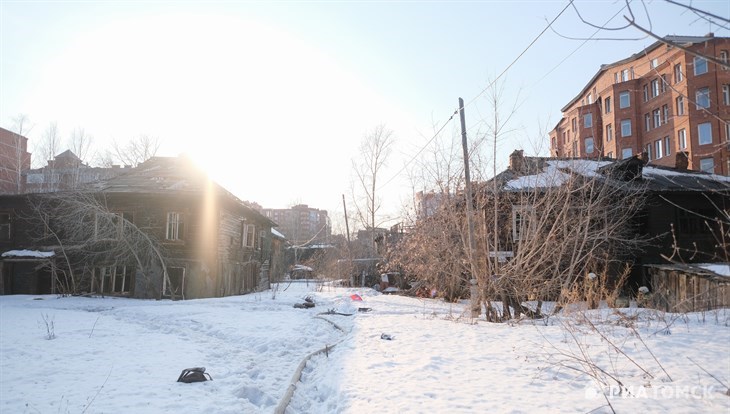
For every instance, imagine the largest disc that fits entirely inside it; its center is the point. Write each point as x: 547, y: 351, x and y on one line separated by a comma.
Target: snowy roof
x: 28, y: 253
x: 277, y: 233
x: 722, y: 269
x: 544, y: 172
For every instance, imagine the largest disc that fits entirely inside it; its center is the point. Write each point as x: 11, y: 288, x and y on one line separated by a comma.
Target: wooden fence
x: 678, y: 288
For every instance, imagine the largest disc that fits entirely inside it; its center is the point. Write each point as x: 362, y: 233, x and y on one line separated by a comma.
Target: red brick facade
x: 661, y: 102
x: 14, y: 161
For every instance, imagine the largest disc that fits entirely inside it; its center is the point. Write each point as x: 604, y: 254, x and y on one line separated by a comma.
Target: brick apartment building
x: 670, y: 103
x: 14, y: 161
x: 301, y: 225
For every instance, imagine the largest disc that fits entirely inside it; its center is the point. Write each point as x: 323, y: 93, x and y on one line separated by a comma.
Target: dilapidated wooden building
x: 162, y: 229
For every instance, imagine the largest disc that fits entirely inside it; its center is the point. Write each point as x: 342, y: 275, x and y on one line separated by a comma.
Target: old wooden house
x: 174, y: 233
x: 683, y: 216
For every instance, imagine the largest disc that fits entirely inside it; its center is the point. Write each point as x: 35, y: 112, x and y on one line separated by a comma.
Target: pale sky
x: 273, y: 98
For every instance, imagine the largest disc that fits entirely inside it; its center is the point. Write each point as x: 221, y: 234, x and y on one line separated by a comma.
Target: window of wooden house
x: 694, y: 222
x: 175, y: 229
x: 249, y: 235
x: 260, y: 241
x: 522, y: 222
x: 176, y: 286
x: 113, y: 279
x: 5, y: 226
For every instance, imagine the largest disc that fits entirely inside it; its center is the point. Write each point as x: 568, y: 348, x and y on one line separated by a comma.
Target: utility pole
x: 469, y: 198
x: 349, y: 252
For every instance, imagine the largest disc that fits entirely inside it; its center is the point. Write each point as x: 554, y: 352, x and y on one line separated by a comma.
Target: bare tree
x: 137, y: 150
x: 49, y: 146
x: 375, y: 149
x: 90, y: 236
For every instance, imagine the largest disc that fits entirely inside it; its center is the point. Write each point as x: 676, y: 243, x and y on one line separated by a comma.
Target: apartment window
x: 175, y: 226
x: 655, y: 88
x: 724, y: 58
x: 647, y: 122
x: 665, y: 113
x: 522, y: 217
x: 647, y: 150
x: 682, y: 139
x: 575, y: 148
x: 609, y: 132
x: 646, y: 93
x: 610, y: 154
x: 589, y: 99
x: 680, y: 105
x: 625, y: 127
x: 657, y: 118
x: 626, y: 153
x: 700, y: 65
x: 658, y: 149
x: 113, y: 279
x: 565, y: 137
x: 654, y: 63
x: 664, y: 83
x: 667, y: 146
x: 5, y: 227
x: 726, y: 94
x: 702, y: 98
x: 707, y: 165
x: 249, y: 235
x: 554, y: 141
x: 624, y: 99
x: 587, y: 120
x: 615, y: 77
x: 176, y: 285
x: 607, y: 105
x: 573, y: 124
x: 704, y: 132
x: 624, y: 75
x: 678, y: 75
x: 589, y: 145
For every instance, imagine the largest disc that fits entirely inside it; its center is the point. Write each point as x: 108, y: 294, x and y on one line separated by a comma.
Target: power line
x: 478, y: 95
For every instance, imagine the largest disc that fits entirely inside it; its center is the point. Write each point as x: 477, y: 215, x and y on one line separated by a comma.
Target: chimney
x: 517, y: 160
x: 681, y: 160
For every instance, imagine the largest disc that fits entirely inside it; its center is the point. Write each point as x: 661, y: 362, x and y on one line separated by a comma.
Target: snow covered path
x: 112, y: 355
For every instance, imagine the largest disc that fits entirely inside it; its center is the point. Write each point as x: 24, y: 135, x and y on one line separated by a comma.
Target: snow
x: 554, y: 176
x: 28, y: 253
x: 124, y: 355
x: 719, y: 268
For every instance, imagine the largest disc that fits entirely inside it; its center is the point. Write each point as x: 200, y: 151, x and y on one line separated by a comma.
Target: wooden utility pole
x: 469, y: 198
x: 349, y: 252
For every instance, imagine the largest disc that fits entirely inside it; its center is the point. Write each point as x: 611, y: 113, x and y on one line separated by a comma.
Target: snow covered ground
x: 112, y: 355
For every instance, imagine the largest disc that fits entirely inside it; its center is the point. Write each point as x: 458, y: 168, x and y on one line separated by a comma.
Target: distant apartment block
x: 14, y: 161
x: 301, y: 225
x: 669, y: 103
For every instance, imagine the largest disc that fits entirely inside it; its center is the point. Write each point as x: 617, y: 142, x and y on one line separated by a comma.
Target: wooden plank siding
x: 684, y: 289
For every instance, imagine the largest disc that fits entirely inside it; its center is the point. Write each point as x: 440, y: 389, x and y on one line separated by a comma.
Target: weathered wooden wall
x: 683, y: 289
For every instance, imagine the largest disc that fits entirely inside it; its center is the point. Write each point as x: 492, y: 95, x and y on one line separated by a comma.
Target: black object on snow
x: 197, y: 374
x: 386, y: 337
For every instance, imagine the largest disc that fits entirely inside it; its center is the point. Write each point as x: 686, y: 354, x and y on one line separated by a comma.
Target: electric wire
x: 529, y: 46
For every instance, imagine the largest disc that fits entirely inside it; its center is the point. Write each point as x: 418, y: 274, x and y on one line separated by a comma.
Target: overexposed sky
x: 273, y: 98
